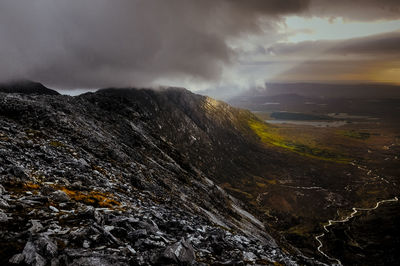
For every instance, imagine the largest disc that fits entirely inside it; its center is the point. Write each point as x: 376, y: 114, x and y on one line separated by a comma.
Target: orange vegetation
x: 94, y: 198
x: 29, y: 186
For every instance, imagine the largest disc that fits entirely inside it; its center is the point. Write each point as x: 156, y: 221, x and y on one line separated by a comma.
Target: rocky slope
x: 111, y: 178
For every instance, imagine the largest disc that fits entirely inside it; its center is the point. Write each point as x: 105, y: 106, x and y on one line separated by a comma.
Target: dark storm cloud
x: 98, y: 43
x: 82, y: 43
x: 382, y: 44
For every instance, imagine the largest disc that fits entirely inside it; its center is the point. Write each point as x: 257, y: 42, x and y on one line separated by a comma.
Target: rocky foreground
x: 87, y: 180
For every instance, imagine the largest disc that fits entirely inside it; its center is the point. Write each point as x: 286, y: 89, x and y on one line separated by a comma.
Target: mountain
x: 26, y: 87
x: 132, y: 177
x: 330, y: 90
x: 374, y: 100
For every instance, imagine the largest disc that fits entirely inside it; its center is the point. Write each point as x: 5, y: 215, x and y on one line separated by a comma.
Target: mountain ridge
x: 26, y: 87
x: 91, y: 179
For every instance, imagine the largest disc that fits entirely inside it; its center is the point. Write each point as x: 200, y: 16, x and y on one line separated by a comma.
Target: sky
x: 207, y: 44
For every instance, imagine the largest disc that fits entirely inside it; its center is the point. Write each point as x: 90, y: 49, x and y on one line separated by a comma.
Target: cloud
x: 372, y: 58
x: 377, y: 45
x: 386, y: 45
x: 82, y: 43
x: 362, y: 10
x: 100, y: 43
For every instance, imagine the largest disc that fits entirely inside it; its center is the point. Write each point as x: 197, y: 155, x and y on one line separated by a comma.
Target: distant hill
x: 26, y: 87
x: 374, y: 100
x: 359, y: 91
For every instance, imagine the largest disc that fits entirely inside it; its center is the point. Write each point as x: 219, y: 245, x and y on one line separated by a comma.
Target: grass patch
x: 269, y: 135
x: 299, y: 116
x: 355, y: 134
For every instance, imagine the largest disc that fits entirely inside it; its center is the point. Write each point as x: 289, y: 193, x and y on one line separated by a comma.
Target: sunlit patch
x: 269, y: 135
x: 310, y: 29
x: 390, y: 75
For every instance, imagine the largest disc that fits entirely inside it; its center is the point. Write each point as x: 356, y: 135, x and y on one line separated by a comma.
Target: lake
x: 309, y: 123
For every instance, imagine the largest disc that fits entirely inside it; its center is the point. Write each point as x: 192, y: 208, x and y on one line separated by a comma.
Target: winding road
x: 344, y: 220
x: 347, y: 218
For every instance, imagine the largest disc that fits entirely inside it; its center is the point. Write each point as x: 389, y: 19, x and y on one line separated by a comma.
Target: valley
x: 334, y: 136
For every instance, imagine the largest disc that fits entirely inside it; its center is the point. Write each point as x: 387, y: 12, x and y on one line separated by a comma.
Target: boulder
x: 3, y: 217
x: 180, y: 252
x: 36, y: 227
x: 46, y: 246
x: 3, y: 203
x: 59, y: 196
x: 32, y: 257
x: 18, y: 171
x: 17, y: 258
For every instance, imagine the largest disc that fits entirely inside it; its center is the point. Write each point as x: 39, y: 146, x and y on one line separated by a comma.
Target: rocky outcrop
x: 88, y: 180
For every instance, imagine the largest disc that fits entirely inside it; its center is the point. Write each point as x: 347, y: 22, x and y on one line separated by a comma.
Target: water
x: 271, y: 103
x: 309, y: 123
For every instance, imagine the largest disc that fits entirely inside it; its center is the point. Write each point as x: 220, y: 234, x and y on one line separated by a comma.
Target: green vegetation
x: 270, y: 135
x: 299, y: 116
x: 356, y: 135
x: 267, y: 134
